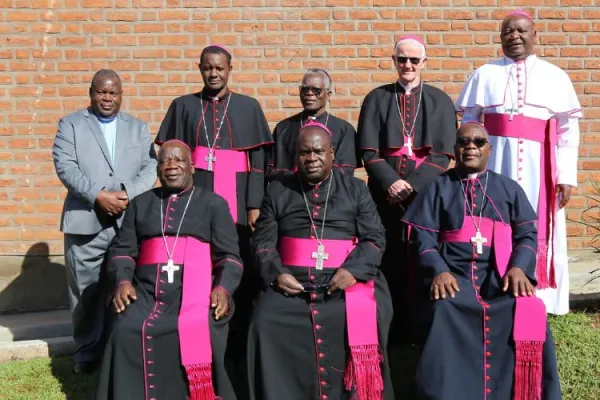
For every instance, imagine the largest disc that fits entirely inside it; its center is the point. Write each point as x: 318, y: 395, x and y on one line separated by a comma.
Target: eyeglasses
x: 315, y: 90
x: 403, y: 60
x: 464, y: 141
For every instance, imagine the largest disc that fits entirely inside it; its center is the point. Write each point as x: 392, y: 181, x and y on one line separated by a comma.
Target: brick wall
x: 50, y: 49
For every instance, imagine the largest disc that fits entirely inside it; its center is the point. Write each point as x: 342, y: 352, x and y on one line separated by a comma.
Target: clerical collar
x: 105, y: 120
x: 216, y: 98
x: 474, y: 175
x: 180, y: 193
x: 318, y: 184
x: 409, y: 88
x: 528, y: 61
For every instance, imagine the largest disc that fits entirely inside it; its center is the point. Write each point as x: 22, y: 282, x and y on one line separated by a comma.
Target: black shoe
x: 84, y: 368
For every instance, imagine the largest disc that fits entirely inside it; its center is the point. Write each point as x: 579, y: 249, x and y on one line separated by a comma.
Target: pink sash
x: 193, y: 324
x: 418, y: 155
x: 225, y: 167
x: 529, y: 331
x: 363, y: 370
x: 544, y: 132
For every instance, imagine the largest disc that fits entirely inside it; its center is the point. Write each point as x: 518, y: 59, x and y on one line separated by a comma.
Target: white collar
x: 407, y: 88
x: 529, y: 61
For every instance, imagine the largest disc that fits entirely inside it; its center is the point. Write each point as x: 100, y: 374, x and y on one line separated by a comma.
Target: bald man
x: 104, y: 157
x: 320, y: 324
x: 315, y: 92
x: 474, y: 236
x: 406, y: 135
x: 532, y: 113
x: 173, y: 266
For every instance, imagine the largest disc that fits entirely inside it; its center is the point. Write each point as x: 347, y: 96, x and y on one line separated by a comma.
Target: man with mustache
x: 405, y: 136
x: 485, y: 331
x: 532, y: 113
x: 320, y: 324
x: 173, y: 266
x: 104, y: 157
x: 315, y: 92
x: 228, y: 134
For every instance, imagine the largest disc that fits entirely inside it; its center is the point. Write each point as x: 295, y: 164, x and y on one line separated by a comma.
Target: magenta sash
x: 418, y: 155
x: 544, y: 132
x: 193, y: 324
x: 227, y: 164
x: 529, y: 334
x: 363, y: 370
x: 498, y: 235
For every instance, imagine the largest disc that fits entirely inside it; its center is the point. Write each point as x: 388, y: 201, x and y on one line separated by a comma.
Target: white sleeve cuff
x: 566, y: 165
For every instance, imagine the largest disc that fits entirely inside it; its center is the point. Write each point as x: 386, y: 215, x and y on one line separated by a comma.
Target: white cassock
x: 526, y: 103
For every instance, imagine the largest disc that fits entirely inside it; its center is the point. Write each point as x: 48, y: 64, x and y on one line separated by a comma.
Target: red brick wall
x: 50, y: 49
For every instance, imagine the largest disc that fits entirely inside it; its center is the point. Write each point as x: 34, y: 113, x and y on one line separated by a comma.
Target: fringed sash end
x: 528, y: 371
x: 363, y: 372
x: 200, y: 381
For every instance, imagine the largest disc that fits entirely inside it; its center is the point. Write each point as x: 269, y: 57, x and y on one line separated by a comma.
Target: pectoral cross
x: 320, y: 255
x: 479, y: 241
x: 408, y: 144
x: 170, y: 268
x: 209, y: 159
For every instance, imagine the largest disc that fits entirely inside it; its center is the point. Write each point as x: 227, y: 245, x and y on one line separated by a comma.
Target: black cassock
x: 297, y: 348
x: 281, y: 160
x: 431, y: 125
x: 243, y: 128
x: 468, y: 347
x: 129, y: 371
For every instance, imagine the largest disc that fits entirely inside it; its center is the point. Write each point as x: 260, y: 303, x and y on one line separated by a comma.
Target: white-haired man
x: 315, y: 91
x: 406, y: 134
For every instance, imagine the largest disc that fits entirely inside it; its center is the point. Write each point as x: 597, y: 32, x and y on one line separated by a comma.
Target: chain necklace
x: 478, y: 239
x: 320, y: 254
x: 171, y: 267
x: 210, y: 158
x: 514, y: 108
x: 406, y: 133
x: 313, y: 118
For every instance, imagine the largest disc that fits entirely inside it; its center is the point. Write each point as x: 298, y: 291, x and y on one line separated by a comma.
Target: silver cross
x: 479, y: 241
x: 170, y: 268
x: 209, y: 159
x: 320, y: 255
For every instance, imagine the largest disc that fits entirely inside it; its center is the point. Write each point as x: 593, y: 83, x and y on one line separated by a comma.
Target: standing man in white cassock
x: 531, y: 112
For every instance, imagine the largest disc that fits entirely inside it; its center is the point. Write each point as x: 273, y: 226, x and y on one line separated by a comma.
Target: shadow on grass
x: 75, y: 387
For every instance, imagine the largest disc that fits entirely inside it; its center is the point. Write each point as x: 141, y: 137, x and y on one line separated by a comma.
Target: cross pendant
x: 479, y: 241
x: 320, y: 255
x: 170, y: 268
x: 408, y: 145
x: 209, y: 159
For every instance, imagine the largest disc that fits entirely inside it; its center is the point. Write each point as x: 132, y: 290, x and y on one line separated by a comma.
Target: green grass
x: 577, y: 337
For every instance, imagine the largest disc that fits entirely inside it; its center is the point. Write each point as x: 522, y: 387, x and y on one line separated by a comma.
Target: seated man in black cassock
x: 406, y: 133
x: 315, y: 92
x: 320, y: 325
x: 486, y: 333
x: 174, y: 265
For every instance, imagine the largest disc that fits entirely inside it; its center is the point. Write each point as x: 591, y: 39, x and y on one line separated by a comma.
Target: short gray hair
x: 413, y: 41
x: 326, y: 78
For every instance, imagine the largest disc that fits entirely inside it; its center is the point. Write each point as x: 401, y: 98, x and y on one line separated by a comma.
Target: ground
x: 577, y: 337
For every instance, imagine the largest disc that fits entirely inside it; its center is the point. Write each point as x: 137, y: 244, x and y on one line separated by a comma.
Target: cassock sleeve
x: 228, y: 267
x: 424, y: 215
x: 256, y: 178
x: 345, y: 153
x: 264, y: 244
x: 524, y: 234
x: 567, y: 129
x: 433, y: 165
x: 270, y: 156
x: 124, y: 249
x: 365, y: 258
x: 369, y: 129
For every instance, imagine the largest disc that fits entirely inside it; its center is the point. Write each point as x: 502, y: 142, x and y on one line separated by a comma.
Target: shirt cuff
x: 567, y: 165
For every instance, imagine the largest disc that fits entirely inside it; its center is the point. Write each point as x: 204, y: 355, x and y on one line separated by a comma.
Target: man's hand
x: 288, y: 284
x: 520, y: 285
x: 110, y: 202
x: 399, y: 191
x: 563, y: 192
x: 342, y: 280
x: 219, y: 300
x: 124, y: 292
x: 442, y: 283
x: 252, y: 217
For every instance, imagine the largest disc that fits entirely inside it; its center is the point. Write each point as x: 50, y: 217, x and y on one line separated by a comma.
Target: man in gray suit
x: 104, y: 158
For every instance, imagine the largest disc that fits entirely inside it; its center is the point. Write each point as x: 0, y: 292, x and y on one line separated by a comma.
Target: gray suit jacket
x: 82, y: 163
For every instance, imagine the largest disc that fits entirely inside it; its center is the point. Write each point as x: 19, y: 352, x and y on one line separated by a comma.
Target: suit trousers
x: 85, y: 259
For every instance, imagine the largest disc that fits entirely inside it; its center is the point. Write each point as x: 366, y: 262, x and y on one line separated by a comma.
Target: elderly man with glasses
x: 315, y: 92
x: 406, y: 133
